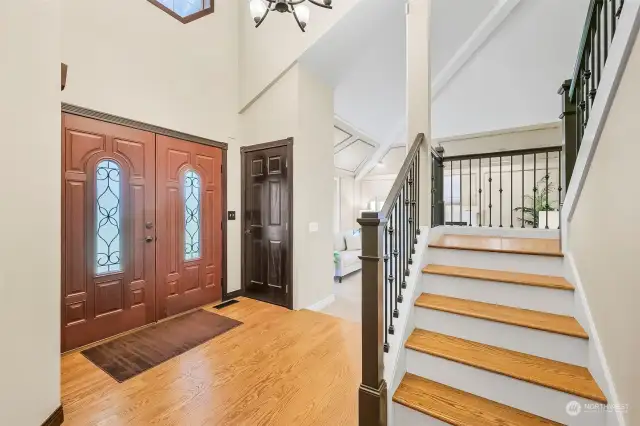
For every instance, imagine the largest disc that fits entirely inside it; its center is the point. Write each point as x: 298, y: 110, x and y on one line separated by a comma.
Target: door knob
x: 149, y: 239
x: 148, y: 225
x: 247, y: 232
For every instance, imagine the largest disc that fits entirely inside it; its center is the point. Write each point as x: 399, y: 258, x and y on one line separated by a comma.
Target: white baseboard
x: 318, y: 306
x: 598, y: 366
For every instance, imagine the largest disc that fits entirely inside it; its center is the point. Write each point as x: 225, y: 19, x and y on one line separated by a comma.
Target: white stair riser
x: 535, y: 399
x: 557, y: 347
x: 541, y: 299
x: 404, y: 416
x: 530, y: 264
x: 502, y: 232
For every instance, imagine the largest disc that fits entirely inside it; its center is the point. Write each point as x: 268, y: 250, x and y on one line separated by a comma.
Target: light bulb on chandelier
x: 259, y: 9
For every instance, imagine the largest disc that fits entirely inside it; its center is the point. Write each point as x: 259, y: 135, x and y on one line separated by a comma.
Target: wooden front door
x: 267, y: 221
x: 108, y: 251
x: 189, y: 230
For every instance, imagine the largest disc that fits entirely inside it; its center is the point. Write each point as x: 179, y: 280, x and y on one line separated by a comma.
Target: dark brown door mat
x: 135, y: 353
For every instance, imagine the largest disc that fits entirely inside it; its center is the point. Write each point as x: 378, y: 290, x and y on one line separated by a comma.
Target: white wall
x: 606, y: 252
x: 348, y: 203
x: 297, y: 106
x: 267, y: 52
x: 512, y: 80
x: 131, y: 59
x: 529, y: 137
x: 30, y: 212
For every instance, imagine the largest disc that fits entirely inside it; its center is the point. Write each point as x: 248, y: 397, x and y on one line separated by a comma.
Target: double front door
x: 141, y: 231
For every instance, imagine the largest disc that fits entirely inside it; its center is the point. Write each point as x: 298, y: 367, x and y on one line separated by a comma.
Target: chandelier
x: 261, y: 8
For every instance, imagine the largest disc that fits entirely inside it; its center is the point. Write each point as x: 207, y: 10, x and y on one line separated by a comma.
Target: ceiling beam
x: 481, y: 34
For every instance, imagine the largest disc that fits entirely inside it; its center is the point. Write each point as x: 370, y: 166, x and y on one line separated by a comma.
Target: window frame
x: 185, y: 20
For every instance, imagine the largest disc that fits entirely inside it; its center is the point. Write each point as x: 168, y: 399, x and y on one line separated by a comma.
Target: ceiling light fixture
x: 260, y: 9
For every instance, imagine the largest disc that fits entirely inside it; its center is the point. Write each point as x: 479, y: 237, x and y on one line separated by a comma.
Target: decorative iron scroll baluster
x: 490, y: 191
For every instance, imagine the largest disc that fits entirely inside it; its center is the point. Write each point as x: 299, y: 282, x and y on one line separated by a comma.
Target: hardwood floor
x: 534, y: 246
x: 280, y: 367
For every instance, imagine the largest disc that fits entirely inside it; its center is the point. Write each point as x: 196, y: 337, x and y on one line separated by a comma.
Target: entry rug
x: 132, y: 354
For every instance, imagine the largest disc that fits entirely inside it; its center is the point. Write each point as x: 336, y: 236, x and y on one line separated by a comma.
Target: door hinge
x: 221, y: 168
x: 221, y: 227
x: 286, y: 288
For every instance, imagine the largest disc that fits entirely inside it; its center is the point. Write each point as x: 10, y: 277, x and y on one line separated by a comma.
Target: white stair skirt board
x: 320, y: 305
x: 558, y: 347
x: 530, y: 264
x: 394, y: 360
x: 494, y: 231
x: 529, y: 397
x: 542, y: 299
x: 405, y: 416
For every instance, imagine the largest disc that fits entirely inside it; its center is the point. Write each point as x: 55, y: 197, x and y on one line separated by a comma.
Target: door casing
x: 288, y: 143
x: 114, y: 119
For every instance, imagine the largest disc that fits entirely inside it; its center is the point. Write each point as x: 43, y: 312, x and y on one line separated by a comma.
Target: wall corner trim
x: 56, y: 418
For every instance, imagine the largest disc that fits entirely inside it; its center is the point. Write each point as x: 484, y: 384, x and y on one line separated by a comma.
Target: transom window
x: 191, y: 215
x: 185, y: 10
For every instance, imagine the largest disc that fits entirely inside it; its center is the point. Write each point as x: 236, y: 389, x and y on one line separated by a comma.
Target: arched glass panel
x: 191, y: 215
x: 108, y: 208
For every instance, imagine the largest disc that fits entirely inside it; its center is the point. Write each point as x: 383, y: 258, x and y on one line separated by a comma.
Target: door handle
x: 148, y: 225
x: 247, y: 232
x: 149, y: 239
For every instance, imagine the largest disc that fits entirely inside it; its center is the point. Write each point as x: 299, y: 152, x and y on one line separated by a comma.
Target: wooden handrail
x: 402, y: 176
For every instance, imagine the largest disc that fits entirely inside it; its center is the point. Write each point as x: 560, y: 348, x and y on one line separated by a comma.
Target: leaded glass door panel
x: 189, y: 212
x: 108, y: 196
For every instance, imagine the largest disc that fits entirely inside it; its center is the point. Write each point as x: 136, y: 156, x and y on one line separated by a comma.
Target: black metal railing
x: 437, y: 196
x: 515, y: 189
x: 580, y: 92
x: 388, y: 246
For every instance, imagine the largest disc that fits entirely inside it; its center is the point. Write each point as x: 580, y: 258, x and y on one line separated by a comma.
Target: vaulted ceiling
x: 479, y: 57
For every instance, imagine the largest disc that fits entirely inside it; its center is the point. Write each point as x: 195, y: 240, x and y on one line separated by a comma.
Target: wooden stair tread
x: 460, y: 408
x: 533, y: 246
x: 548, y: 281
x: 553, y: 323
x: 556, y: 375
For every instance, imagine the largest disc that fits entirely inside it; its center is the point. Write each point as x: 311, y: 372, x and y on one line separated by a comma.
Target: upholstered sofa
x: 347, y: 248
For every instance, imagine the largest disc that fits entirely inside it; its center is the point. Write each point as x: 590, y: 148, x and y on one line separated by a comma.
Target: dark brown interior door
x: 108, y: 252
x: 189, y: 212
x: 266, y: 225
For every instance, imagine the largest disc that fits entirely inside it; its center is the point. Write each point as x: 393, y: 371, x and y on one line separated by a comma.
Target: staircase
x: 495, y: 341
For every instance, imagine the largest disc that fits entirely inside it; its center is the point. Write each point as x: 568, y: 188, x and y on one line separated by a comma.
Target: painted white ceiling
x: 510, y: 80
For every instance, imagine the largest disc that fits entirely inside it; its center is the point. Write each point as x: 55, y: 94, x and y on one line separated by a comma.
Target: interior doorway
x: 142, y: 225
x: 267, y: 220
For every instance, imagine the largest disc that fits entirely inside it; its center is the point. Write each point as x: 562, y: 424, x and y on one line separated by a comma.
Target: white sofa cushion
x: 338, y: 242
x: 354, y: 242
x: 350, y: 257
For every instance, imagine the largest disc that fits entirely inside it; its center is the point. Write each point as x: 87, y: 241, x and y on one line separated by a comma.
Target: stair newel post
x: 372, y: 396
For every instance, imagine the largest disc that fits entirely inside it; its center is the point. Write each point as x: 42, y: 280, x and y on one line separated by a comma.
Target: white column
x: 419, y: 94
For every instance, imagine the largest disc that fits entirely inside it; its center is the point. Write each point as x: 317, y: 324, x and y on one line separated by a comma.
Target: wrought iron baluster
x: 500, y: 192
x: 418, y: 195
x: 613, y: 19
x: 559, y: 188
x: 460, y: 191
x: 522, y: 211
x: 490, y: 191
x: 433, y: 190
x: 387, y: 299
x: 480, y: 188
x: 470, y: 221
x: 396, y: 245
x: 605, y: 34
x: 403, y: 238
x: 391, y: 278
x: 536, y: 223
x: 594, y: 69
x: 546, y: 177
x: 451, y: 190
x: 511, y: 171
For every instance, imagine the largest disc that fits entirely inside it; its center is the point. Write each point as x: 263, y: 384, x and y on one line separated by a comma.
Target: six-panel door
x: 108, y: 196
x: 189, y: 213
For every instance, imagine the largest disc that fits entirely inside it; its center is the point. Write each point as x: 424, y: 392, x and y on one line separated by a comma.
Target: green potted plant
x: 534, y: 213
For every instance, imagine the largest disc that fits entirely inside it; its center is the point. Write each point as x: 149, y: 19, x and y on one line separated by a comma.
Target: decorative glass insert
x: 191, y: 215
x: 108, y: 217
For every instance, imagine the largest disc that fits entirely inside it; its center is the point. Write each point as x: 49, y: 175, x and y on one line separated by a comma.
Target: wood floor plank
x: 557, y: 375
x: 533, y: 246
x: 460, y: 408
x: 280, y: 367
x: 535, y: 280
x: 553, y: 323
